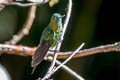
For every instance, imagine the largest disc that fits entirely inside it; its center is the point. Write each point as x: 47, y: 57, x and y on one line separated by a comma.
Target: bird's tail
x: 33, y: 70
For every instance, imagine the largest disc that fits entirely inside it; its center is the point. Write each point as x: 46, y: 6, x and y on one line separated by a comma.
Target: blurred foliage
x: 92, y: 21
x: 53, y: 2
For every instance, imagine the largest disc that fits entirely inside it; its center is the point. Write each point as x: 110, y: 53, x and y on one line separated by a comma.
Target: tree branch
x: 24, y: 4
x: 68, y: 14
x: 26, y: 27
x: 27, y: 51
x: 53, y: 61
x: 70, y: 57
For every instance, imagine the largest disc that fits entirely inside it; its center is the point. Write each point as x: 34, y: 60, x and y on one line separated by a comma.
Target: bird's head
x: 56, y: 21
x: 56, y: 17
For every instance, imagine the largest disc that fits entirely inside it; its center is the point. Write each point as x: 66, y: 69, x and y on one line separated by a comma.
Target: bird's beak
x: 62, y: 16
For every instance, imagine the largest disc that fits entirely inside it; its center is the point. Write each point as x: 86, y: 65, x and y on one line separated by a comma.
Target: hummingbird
x: 50, y: 37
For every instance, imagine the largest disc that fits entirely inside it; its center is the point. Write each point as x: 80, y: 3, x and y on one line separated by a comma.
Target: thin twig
x: 66, y: 22
x: 67, y: 69
x: 21, y: 4
x: 47, y: 75
x: 70, y: 57
x: 26, y: 27
x: 28, y: 51
x: 25, y: 4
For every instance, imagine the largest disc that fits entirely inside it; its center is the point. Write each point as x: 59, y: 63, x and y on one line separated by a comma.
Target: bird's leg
x: 60, y: 41
x: 51, y: 50
x: 56, y: 50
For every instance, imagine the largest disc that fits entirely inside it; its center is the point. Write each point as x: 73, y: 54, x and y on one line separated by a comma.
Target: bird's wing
x: 45, y: 43
x: 40, y: 53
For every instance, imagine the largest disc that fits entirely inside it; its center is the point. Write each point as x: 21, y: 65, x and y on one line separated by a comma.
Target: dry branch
x: 26, y: 27
x: 68, y: 14
x: 68, y: 59
x: 10, y: 3
x: 27, y: 51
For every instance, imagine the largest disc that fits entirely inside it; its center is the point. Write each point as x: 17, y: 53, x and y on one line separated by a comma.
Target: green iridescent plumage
x: 50, y: 37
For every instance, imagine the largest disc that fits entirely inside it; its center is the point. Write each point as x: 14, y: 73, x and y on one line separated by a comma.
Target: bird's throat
x: 54, y: 26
